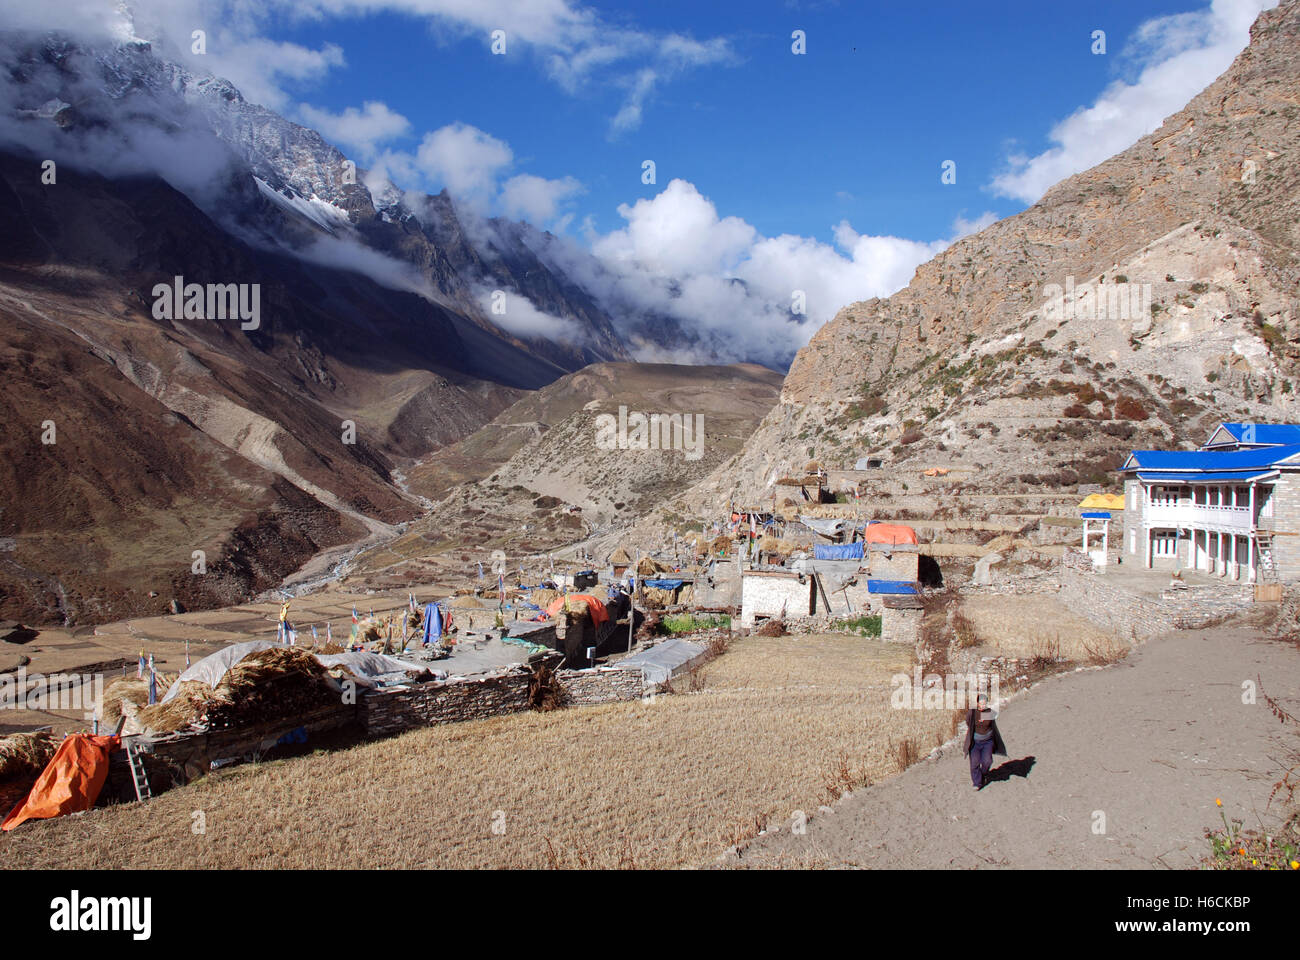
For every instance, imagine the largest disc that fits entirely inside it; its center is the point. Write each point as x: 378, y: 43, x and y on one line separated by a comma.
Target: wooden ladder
x: 139, y: 778
x: 1267, y: 569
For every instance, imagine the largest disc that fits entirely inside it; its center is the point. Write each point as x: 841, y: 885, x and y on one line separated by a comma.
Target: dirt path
x: 1150, y: 743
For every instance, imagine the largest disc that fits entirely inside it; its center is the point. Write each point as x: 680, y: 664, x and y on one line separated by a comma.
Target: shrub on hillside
x: 1130, y: 408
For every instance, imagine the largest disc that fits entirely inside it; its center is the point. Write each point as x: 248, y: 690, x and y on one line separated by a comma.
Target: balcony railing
x: 1199, y: 515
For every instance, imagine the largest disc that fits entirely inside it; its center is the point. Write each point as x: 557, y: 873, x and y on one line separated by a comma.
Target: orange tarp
x: 595, y: 607
x: 890, y: 533
x: 70, y: 782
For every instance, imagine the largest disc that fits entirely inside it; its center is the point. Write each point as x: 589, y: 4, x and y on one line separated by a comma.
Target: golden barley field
x: 780, y: 724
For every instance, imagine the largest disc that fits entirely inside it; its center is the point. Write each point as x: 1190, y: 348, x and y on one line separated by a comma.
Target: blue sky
x: 857, y: 128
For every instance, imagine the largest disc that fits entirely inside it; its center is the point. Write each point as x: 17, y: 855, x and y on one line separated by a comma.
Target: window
x: 1132, y: 541
x: 1133, y: 497
x: 1164, y: 543
x: 1164, y: 496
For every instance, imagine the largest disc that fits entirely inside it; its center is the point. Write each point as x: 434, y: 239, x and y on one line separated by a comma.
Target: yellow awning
x: 1102, y: 501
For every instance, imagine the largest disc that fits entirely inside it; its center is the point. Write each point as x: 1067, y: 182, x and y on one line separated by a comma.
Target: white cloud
x: 1177, y: 55
x: 362, y: 129
x: 465, y: 160
x: 629, y: 114
x: 524, y: 320
x: 677, y: 232
x: 536, y: 199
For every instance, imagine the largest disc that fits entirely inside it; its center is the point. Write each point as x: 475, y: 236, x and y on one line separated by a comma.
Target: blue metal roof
x: 1271, y: 434
x: 1164, y: 476
x: 1197, y: 461
x: 1096, y: 514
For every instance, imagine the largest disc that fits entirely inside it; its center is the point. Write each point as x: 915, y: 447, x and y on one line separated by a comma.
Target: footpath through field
x: 1148, y: 744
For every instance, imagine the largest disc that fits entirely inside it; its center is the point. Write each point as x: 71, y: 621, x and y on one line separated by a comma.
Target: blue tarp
x: 890, y: 586
x: 432, y: 622
x: 837, y: 551
x: 663, y: 584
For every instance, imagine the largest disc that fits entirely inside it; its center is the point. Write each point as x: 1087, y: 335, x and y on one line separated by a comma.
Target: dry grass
x: 1021, y: 626
x: 665, y: 783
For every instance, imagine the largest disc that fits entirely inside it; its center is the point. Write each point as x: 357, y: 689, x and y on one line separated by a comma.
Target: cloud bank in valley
x: 735, y: 292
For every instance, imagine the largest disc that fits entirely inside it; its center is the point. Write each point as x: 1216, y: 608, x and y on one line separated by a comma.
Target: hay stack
x: 650, y: 567
x: 272, y: 684
x: 620, y: 557
x: 124, y: 697
x: 25, y: 755
x: 656, y: 597
x: 542, y: 597
x: 720, y: 545
x: 771, y: 544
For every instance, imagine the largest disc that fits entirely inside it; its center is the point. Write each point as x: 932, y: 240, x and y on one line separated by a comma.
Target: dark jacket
x: 998, y: 746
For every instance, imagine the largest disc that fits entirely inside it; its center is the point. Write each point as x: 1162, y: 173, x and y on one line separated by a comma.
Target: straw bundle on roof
x: 620, y: 556
x: 124, y: 690
x: 25, y: 755
x: 649, y: 567
x: 543, y: 597
x: 267, y: 685
x: 772, y: 544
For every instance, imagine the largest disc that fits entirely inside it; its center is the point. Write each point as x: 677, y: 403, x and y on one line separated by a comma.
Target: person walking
x: 982, y: 740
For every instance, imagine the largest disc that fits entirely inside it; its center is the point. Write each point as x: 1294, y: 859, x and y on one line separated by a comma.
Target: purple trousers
x: 981, y: 758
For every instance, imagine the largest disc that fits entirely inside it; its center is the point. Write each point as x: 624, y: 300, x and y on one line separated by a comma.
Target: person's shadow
x: 1010, y: 768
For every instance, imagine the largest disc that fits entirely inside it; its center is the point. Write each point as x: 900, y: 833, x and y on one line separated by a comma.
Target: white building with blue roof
x: 1230, y: 509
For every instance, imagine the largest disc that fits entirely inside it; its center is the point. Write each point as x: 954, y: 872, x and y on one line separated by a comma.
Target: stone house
x: 767, y: 594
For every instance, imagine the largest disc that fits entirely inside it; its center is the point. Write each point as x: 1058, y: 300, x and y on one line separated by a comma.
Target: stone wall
x: 1131, y: 529
x: 1286, y: 526
x: 601, y: 685
x: 1106, y: 601
x: 894, y: 564
x: 769, y: 594
x: 901, y: 625
x: 473, y: 698
x: 177, y: 758
x: 444, y: 701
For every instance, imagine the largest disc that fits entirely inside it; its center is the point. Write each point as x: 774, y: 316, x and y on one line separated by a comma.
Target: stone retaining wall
x: 601, y: 685
x: 444, y: 701
x: 1104, y: 599
x: 472, y: 698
